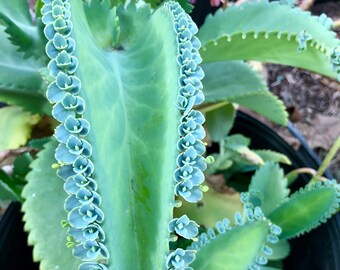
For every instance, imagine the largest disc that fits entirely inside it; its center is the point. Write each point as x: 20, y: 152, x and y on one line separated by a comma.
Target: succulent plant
x: 124, y: 84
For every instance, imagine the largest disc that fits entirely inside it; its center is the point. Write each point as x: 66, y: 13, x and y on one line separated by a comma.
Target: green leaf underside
x: 220, y: 121
x: 269, y: 155
x: 15, y: 127
x: 236, y: 81
x: 271, y: 18
x: 263, y: 16
x: 234, y: 250
x: 303, y: 212
x: 23, y: 33
x: 272, y: 47
x: 44, y: 209
x: 270, y: 181
x: 130, y: 97
x: 20, y: 84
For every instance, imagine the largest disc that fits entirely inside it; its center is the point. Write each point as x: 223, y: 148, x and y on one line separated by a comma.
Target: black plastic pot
x: 317, y: 250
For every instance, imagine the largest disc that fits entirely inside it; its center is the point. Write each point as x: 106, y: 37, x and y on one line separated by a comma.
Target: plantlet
x: 124, y: 85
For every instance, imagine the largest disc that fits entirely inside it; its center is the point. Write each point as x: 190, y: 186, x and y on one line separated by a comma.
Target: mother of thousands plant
x: 124, y: 86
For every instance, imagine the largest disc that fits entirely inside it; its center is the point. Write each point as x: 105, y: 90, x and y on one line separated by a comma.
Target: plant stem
x: 327, y: 160
x: 213, y: 106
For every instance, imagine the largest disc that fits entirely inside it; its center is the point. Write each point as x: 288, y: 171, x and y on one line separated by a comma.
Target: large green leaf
x: 267, y: 32
x: 234, y: 250
x: 15, y: 127
x: 130, y: 96
x: 237, y: 82
x: 23, y: 33
x: 269, y: 180
x: 306, y: 209
x: 20, y: 81
x: 44, y: 209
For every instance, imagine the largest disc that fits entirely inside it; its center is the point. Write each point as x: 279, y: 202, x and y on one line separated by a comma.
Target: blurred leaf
x: 186, y: 5
x: 22, y: 164
x: 236, y: 139
x: 222, y: 162
x: 28, y: 38
x: 238, y: 144
x: 269, y: 155
x: 20, y: 80
x: 15, y: 127
x: 214, y: 206
x: 246, y: 155
x: 6, y: 191
x: 39, y: 143
x: 220, y: 121
x: 280, y: 250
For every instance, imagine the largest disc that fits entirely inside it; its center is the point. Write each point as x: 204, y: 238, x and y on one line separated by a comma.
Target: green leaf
x: 21, y: 164
x: 186, y: 5
x: 234, y: 250
x: 236, y: 139
x: 153, y: 3
x: 15, y: 16
x: 280, y: 250
x: 7, y: 191
x: 237, y: 82
x: 129, y: 26
x: 243, y: 154
x: 20, y: 81
x: 306, y: 209
x: 44, y: 209
x: 230, y: 79
x: 267, y: 32
x: 104, y: 28
x: 135, y: 144
x: 214, y: 206
x: 264, y: 103
x: 237, y: 146
x: 269, y: 155
x: 269, y: 180
x: 15, y: 127
x: 220, y: 121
